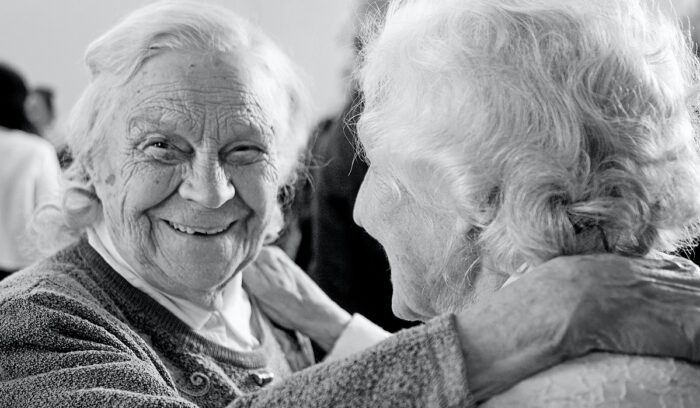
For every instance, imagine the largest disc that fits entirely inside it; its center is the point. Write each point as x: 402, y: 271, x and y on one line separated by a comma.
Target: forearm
x: 359, y: 335
x: 420, y: 367
x: 326, y: 330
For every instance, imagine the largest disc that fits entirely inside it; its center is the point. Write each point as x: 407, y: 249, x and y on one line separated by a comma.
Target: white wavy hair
x: 549, y: 127
x: 115, y: 57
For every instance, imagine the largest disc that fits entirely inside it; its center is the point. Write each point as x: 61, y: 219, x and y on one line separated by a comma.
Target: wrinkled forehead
x: 195, y: 89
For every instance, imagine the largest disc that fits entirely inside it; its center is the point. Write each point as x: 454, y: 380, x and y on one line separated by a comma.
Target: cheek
x: 142, y: 186
x: 255, y: 187
x: 129, y: 194
x: 149, y: 186
x: 372, y: 205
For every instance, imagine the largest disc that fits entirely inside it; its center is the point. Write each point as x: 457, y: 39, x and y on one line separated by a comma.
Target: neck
x: 215, y: 298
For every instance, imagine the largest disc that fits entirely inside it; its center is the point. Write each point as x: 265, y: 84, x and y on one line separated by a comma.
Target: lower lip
x: 218, y: 234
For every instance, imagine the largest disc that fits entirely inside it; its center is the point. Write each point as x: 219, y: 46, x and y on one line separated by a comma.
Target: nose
x: 360, y: 202
x: 208, y: 185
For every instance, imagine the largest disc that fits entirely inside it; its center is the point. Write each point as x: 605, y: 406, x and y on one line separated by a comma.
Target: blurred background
x: 45, y: 40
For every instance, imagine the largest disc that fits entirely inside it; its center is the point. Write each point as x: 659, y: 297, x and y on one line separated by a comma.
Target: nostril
x: 207, y: 184
x: 210, y: 195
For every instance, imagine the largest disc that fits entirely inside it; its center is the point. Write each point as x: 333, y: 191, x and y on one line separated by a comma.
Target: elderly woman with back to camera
x: 191, y: 125
x: 504, y: 135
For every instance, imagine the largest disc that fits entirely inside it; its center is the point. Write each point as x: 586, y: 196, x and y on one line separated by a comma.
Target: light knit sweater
x: 74, y: 333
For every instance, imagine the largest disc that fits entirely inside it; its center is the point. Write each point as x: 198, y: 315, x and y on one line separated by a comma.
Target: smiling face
x: 188, y: 178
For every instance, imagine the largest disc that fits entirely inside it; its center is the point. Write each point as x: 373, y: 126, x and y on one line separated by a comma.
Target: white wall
x: 45, y: 39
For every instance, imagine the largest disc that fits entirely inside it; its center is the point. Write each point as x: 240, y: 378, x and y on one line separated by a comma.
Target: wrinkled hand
x: 652, y: 308
x: 570, y: 306
x: 290, y: 298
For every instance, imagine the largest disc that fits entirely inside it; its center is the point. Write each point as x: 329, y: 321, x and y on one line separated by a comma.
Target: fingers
x: 275, y: 279
x: 261, y: 279
x: 254, y: 280
x: 615, y: 303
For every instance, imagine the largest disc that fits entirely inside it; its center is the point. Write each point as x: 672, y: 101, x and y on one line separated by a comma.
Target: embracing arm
x: 558, y: 311
x: 561, y: 310
x: 55, y: 352
x: 570, y: 306
x: 420, y: 367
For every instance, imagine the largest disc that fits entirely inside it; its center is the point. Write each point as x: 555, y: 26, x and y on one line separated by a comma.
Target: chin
x: 199, y: 269
x: 405, y: 312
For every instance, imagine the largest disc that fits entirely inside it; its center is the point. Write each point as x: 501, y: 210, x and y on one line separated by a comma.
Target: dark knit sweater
x: 74, y: 333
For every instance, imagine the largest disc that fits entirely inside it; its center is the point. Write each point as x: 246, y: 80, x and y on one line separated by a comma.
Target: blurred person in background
x: 39, y: 107
x: 41, y: 113
x: 29, y: 173
x: 346, y: 262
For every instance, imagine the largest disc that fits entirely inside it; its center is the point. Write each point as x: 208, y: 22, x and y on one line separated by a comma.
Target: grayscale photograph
x: 350, y: 203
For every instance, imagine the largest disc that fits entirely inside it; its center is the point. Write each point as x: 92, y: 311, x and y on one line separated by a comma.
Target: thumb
x: 252, y: 279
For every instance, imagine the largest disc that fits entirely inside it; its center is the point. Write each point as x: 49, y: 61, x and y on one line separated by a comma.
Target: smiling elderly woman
x: 191, y: 124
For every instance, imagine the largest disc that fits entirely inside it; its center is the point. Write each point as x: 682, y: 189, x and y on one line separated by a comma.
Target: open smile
x: 198, y: 231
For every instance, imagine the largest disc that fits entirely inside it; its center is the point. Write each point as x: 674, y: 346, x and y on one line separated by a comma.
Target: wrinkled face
x: 436, y: 265
x: 188, y: 180
x: 423, y: 246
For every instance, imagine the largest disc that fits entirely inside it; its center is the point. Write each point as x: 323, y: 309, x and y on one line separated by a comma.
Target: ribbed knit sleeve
x: 418, y: 367
x: 72, y: 334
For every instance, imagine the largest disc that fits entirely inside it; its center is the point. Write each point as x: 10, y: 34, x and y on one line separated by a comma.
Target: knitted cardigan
x: 74, y: 333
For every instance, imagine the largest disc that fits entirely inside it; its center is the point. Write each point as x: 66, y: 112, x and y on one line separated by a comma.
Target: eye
x: 162, y: 150
x: 159, y: 145
x: 245, y: 154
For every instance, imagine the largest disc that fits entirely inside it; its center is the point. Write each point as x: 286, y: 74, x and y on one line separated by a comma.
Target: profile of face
x: 187, y: 178
x: 430, y: 251
x: 390, y: 217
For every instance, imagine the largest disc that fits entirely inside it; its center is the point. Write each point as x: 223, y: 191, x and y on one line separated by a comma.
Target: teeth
x: 192, y: 231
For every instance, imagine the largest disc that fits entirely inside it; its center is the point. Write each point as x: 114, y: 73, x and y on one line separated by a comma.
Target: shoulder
x: 56, y: 273
x: 26, y: 148
x: 59, y: 287
x: 23, y: 140
x: 61, y: 301
x: 602, y: 379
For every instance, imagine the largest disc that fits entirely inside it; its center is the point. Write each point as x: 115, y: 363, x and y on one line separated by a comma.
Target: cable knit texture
x: 74, y: 333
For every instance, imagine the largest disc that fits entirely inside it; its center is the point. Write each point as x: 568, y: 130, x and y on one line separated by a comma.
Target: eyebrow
x: 169, y: 119
x: 164, y: 119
